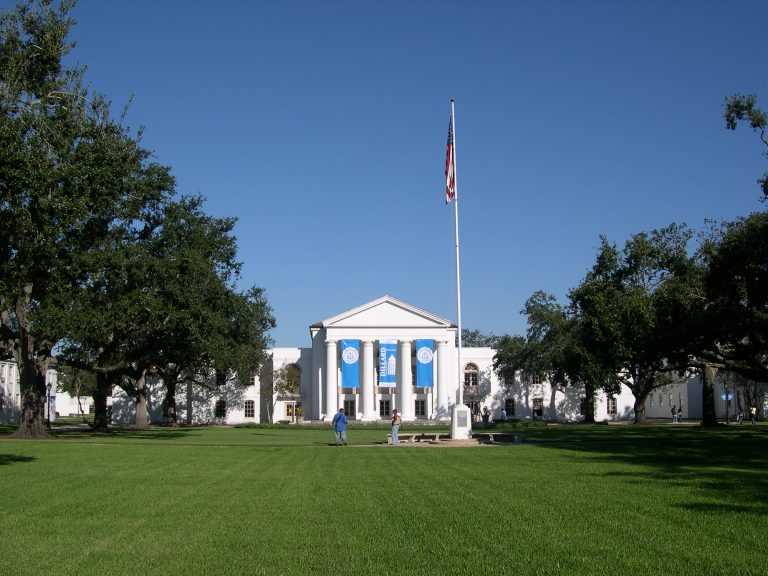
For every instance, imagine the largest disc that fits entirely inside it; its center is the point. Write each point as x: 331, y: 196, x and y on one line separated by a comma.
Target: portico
x: 371, y: 393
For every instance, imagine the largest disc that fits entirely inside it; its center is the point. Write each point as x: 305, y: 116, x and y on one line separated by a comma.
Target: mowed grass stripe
x: 296, y: 506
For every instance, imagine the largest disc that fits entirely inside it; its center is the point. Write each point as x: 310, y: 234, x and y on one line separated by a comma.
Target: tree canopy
x: 620, y: 305
x: 740, y: 108
x: 99, y: 260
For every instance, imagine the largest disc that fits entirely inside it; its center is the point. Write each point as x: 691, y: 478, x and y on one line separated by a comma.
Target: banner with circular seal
x: 424, y: 360
x: 350, y: 363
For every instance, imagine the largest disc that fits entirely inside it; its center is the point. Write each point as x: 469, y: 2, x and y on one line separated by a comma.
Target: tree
x: 77, y: 383
x: 278, y: 383
x: 735, y: 284
x: 739, y: 108
x: 511, y: 357
x: 618, y: 304
x: 476, y: 339
x: 162, y: 303
x: 200, y: 323
x: 553, y: 350
x: 68, y: 172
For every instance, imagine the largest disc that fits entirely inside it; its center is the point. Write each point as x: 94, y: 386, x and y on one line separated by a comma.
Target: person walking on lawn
x: 340, y: 427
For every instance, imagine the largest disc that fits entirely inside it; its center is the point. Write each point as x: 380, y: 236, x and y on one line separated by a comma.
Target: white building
x: 61, y: 403
x: 382, y: 355
x: 386, y: 336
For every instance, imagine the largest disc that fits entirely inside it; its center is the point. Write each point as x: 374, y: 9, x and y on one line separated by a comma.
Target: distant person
x: 503, y: 415
x: 340, y: 427
x: 674, y: 414
x: 740, y: 417
x: 679, y: 414
x: 753, y: 414
x: 395, y: 427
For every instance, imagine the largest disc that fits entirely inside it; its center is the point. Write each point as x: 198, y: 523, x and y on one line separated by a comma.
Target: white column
x: 368, y: 395
x: 405, y: 382
x: 331, y: 379
x: 443, y: 385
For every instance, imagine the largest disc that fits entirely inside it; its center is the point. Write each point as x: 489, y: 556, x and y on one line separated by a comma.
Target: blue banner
x: 350, y: 363
x: 388, y: 363
x: 424, y: 357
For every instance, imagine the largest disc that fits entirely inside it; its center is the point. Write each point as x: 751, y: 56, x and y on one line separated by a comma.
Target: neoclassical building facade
x: 388, y: 354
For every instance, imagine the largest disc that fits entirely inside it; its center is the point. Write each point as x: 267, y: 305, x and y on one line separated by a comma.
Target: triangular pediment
x: 385, y: 312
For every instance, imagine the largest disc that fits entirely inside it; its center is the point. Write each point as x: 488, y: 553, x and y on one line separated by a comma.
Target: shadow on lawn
x: 128, y: 433
x: 728, y: 462
x: 6, y: 459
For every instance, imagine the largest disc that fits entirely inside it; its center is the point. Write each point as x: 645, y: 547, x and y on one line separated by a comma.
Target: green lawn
x: 592, y: 500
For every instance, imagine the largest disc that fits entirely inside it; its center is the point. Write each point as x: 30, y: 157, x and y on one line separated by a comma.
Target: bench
x: 498, y: 437
x: 420, y: 437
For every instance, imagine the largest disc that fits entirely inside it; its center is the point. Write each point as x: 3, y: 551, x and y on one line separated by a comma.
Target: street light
x: 48, y: 412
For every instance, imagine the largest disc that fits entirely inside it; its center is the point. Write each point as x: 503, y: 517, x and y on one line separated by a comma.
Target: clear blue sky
x: 322, y: 126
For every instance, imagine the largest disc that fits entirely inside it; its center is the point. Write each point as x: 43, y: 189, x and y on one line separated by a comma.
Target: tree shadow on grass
x: 725, y: 464
x: 128, y: 433
x: 6, y: 459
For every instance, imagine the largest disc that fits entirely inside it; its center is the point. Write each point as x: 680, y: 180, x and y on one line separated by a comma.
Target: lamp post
x: 48, y: 412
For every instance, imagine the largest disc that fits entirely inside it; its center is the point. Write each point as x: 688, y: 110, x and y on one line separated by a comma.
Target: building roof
x: 384, y: 312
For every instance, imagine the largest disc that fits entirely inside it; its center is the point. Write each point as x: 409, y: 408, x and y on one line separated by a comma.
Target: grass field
x: 625, y: 500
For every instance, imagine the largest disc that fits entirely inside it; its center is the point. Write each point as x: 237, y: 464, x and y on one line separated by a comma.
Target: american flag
x: 450, y: 164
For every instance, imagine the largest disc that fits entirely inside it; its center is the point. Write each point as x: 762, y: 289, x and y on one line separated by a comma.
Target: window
x: 384, y: 408
x: 612, y: 406
x: 221, y: 378
x: 349, y: 408
x: 661, y: 400
x: 250, y: 409
x: 221, y: 409
x: 421, y: 408
x: 509, y: 406
x: 536, y: 380
x: 538, y: 408
x: 582, y: 406
x: 470, y: 375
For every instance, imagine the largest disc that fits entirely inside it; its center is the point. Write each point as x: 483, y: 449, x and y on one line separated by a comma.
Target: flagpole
x: 458, y: 269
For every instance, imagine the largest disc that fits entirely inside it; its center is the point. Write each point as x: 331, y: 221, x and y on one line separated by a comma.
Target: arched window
x: 471, y: 372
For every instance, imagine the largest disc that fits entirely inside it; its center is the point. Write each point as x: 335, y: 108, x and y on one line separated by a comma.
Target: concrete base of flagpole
x: 461, y: 423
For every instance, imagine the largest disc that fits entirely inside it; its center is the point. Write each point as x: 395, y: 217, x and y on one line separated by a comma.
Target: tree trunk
x: 553, y: 403
x: 142, y: 419
x: 708, y: 373
x: 100, y: 394
x: 169, y: 402
x: 589, y: 408
x: 640, y: 416
x: 32, y: 373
